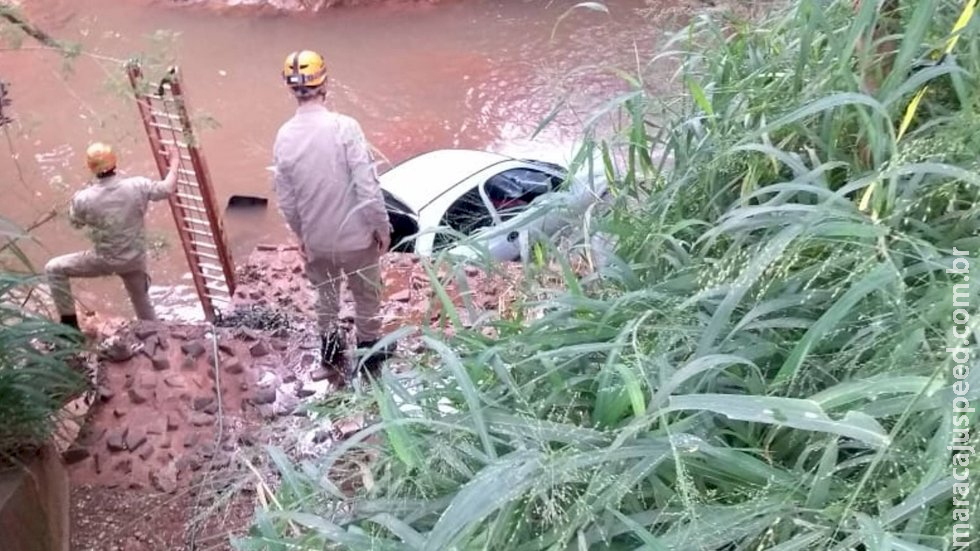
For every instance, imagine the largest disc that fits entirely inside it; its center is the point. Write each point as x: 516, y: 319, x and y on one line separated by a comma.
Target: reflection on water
x: 475, y: 74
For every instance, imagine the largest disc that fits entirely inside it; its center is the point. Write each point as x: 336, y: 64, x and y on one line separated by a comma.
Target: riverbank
x: 172, y: 448
x: 296, y: 6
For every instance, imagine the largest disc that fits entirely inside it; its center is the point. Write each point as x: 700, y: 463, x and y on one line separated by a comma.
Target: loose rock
x: 201, y: 402
x: 259, y: 350
x: 265, y: 395
x: 138, y: 395
x: 118, y: 351
x: 116, y: 440
x: 202, y: 419
x: 157, y: 427
x: 161, y: 363
x: 165, y: 479
x: 404, y: 295
x: 192, y: 439
x: 74, y: 454
x: 193, y: 349
x: 135, y: 439
x: 234, y: 367
x: 105, y: 394
x: 147, y: 381
x: 146, y: 453
x: 143, y: 333
x: 124, y: 466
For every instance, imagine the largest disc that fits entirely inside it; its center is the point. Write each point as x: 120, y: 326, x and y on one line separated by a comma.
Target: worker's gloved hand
x: 173, y: 159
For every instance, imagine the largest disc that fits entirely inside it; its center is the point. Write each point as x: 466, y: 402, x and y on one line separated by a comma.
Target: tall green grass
x: 764, y: 365
x: 35, y: 377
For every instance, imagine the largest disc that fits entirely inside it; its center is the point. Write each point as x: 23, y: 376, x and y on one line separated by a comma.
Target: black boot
x: 331, y: 349
x: 372, y: 363
x: 72, y: 338
x: 70, y: 320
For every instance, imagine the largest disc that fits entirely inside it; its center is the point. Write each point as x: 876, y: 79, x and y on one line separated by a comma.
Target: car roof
x: 418, y: 181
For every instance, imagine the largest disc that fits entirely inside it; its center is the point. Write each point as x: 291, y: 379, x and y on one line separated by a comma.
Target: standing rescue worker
x: 112, y: 209
x: 328, y: 191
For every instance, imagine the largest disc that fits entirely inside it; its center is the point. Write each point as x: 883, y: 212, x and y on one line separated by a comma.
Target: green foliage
x: 764, y: 365
x: 35, y: 378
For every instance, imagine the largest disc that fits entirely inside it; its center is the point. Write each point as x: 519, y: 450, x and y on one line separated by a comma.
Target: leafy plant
x: 763, y: 366
x: 35, y: 377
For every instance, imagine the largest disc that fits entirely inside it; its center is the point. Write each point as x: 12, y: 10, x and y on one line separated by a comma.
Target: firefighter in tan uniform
x: 112, y: 209
x: 329, y: 194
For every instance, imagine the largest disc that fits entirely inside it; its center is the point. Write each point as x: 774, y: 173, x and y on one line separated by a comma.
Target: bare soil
x: 167, y: 454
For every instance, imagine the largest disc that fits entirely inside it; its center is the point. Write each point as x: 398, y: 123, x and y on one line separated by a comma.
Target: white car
x: 438, y: 198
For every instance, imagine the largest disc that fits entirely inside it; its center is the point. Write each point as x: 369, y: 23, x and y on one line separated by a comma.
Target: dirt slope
x: 180, y: 409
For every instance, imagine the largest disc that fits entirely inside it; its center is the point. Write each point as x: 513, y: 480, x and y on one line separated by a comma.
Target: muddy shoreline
x: 272, y: 7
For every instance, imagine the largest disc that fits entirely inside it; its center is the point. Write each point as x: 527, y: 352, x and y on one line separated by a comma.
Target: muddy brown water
x: 471, y: 74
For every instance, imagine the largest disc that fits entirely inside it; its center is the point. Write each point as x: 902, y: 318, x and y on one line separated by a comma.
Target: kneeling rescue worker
x: 112, y: 208
x: 328, y: 191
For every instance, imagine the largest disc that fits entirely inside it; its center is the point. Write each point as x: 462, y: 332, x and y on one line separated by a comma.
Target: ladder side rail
x: 204, y: 184
x: 176, y: 208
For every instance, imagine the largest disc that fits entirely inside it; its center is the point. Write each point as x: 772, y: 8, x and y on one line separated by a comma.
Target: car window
x: 512, y: 190
x: 468, y: 214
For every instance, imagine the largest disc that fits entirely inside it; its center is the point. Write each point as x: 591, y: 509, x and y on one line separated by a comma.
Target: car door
x: 510, y: 193
x: 486, y: 200
x: 461, y: 209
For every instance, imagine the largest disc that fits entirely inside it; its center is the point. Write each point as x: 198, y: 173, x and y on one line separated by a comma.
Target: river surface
x: 458, y: 74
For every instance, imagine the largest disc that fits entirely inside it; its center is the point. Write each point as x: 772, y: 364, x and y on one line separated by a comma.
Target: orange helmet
x: 304, y: 70
x: 100, y: 158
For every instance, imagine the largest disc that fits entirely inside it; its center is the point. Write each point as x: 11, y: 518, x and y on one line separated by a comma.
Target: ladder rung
x: 207, y: 255
x: 163, y: 127
x: 190, y: 197
x: 170, y: 116
x: 206, y: 245
x: 213, y: 267
x: 197, y: 221
x: 175, y: 143
x: 199, y: 232
x: 220, y: 279
x: 192, y: 208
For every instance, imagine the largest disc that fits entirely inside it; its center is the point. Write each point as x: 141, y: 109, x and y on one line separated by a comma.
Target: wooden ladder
x: 168, y: 126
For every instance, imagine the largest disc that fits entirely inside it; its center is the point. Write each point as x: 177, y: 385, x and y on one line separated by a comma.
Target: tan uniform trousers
x: 363, y: 272
x: 61, y: 269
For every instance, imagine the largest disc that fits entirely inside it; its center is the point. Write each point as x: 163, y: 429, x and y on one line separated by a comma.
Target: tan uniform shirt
x: 326, y: 182
x: 113, y: 211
